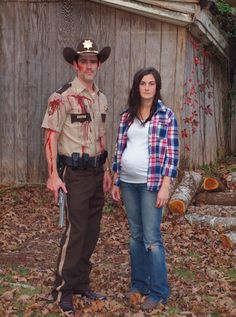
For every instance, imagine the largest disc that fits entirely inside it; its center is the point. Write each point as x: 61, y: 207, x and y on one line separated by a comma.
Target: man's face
x: 86, y: 67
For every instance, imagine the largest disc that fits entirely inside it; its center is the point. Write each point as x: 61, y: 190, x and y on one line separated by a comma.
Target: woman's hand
x: 107, y: 181
x: 162, y: 196
x: 115, y: 192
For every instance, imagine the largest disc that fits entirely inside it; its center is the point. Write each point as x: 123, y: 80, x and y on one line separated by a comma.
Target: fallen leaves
x: 201, y: 272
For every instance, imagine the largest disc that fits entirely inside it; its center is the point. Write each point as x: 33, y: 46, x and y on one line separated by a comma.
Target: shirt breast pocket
x: 162, y: 131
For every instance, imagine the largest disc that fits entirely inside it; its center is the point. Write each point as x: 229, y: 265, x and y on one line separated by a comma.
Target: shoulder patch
x: 64, y: 88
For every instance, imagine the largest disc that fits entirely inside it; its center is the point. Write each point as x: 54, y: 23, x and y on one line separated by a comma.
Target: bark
x: 229, y: 240
x: 223, y: 222
x: 221, y: 198
x: 185, y: 192
x: 212, y: 184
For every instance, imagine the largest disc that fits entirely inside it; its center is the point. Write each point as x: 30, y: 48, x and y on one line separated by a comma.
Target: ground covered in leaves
x: 202, y: 272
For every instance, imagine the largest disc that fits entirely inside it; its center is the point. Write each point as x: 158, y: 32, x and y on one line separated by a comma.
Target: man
x: 76, y: 139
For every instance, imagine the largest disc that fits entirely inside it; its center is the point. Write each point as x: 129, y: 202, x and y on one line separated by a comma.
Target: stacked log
x: 184, y: 193
x: 212, y: 184
x: 229, y: 240
x: 221, y: 198
x: 231, y: 181
x: 210, y: 193
x: 224, y: 222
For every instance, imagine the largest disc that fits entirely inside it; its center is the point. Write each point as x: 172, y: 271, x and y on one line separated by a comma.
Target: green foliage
x: 224, y: 7
x: 226, y: 18
x: 210, y: 170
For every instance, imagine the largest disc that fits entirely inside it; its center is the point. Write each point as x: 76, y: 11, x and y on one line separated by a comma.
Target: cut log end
x: 177, y: 206
x: 212, y: 184
x: 229, y: 240
x: 226, y: 242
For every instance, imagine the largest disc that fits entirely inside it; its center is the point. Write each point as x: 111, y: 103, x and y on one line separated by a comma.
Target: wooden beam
x: 154, y: 12
x: 180, y: 6
x: 208, y: 34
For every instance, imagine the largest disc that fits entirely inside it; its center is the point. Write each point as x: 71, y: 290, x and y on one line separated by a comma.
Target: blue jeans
x: 148, y: 264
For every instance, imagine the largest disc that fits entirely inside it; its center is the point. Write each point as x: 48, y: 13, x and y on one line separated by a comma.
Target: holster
x: 60, y: 167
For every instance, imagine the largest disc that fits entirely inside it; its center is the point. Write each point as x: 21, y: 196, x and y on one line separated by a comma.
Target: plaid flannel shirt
x: 163, y: 146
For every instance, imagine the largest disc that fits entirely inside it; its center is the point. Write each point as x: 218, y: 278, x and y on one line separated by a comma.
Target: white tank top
x: 134, y: 161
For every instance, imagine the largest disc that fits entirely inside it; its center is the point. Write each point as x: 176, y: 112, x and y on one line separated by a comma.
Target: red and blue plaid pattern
x: 163, y: 146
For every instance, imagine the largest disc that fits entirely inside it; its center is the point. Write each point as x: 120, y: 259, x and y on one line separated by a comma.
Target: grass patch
x: 195, y: 256
x: 172, y: 311
x: 231, y: 273
x: 22, y: 270
x: 31, y: 291
x: 107, y: 209
x: 39, y: 314
x: 232, y: 169
x: 215, y: 314
x: 20, y: 307
x: 184, y: 274
x: 16, y: 197
x: 208, y: 298
x: 8, y: 277
x: 2, y: 290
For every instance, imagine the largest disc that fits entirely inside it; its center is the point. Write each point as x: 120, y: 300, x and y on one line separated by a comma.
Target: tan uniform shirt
x: 79, y: 117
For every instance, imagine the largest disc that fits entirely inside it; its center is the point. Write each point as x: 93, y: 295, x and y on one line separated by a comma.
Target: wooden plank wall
x: 32, y: 67
x: 206, y: 82
x: 33, y: 35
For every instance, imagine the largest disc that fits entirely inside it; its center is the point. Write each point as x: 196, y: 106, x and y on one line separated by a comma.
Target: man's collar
x: 79, y: 85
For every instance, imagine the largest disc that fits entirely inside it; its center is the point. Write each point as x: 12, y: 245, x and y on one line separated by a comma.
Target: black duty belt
x: 84, y: 161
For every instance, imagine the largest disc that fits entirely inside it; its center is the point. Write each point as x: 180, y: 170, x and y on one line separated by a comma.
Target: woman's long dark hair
x: 134, y: 100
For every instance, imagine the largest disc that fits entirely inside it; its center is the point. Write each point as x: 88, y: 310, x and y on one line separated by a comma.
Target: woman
x: 146, y: 158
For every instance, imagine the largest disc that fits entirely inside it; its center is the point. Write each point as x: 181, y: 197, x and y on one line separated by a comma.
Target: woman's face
x: 147, y: 87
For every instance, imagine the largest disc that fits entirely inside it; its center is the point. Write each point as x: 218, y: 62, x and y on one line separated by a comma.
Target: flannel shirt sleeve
x: 117, y: 147
x: 114, y: 163
x: 172, y: 151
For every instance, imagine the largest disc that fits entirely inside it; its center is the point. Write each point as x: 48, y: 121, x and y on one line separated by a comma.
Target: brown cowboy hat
x: 87, y: 46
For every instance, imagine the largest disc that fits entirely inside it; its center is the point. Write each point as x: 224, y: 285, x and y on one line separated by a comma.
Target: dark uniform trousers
x: 85, y: 201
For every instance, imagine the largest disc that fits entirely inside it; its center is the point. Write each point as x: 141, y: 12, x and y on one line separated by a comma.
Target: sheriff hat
x: 87, y: 46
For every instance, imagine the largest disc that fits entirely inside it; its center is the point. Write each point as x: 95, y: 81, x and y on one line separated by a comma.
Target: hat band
x: 87, y: 51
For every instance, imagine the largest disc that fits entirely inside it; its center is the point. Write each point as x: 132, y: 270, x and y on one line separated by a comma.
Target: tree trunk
x: 184, y: 193
x: 225, y: 199
x: 229, y: 240
x: 212, y: 184
x: 223, y: 222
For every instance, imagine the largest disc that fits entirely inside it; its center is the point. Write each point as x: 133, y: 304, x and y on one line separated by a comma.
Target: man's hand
x: 107, y: 181
x: 115, y: 191
x: 53, y: 184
